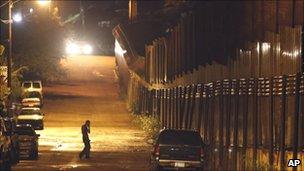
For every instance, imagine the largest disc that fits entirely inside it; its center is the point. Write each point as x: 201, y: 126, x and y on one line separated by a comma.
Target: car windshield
x: 30, y: 112
x: 27, y: 85
x: 36, y: 85
x: 178, y: 137
x: 25, y: 131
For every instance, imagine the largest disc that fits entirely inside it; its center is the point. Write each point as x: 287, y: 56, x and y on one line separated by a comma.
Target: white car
x: 32, y: 99
x: 28, y: 86
x: 32, y: 116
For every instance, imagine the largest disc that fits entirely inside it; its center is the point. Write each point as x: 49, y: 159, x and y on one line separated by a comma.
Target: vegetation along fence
x: 246, y: 123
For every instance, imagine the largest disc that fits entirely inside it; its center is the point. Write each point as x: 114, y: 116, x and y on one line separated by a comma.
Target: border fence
x: 254, y: 123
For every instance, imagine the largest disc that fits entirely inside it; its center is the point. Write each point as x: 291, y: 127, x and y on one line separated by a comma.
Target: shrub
x: 150, y: 124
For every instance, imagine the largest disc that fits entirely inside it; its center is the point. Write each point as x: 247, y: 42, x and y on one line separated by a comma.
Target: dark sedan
x: 178, y: 149
x: 28, y: 141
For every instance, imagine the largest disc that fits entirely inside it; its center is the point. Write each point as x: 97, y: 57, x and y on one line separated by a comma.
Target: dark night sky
x: 95, y: 12
x: 114, y: 11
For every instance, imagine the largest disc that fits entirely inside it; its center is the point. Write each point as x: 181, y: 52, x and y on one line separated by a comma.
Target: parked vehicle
x: 178, y: 149
x: 28, y: 141
x: 32, y: 116
x: 5, y: 147
x: 32, y: 99
x: 28, y: 86
x: 10, y: 124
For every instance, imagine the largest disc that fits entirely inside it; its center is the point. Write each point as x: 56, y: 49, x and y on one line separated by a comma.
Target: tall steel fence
x: 249, y: 123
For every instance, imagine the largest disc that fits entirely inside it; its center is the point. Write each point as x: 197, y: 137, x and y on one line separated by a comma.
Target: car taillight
x: 156, y: 150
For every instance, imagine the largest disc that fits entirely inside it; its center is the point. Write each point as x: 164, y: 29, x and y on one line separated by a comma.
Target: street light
x: 43, y: 2
x: 17, y: 17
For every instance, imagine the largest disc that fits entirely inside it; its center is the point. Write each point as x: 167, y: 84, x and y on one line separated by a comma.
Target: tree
x: 38, y: 45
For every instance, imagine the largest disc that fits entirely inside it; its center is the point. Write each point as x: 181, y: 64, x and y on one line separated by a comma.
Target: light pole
x: 10, y: 47
x: 10, y: 55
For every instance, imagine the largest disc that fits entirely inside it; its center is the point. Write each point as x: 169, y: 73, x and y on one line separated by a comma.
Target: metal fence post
x: 296, y: 118
x: 168, y: 100
x: 221, y: 126
x: 192, y: 105
x: 271, y: 118
x: 283, y: 123
x: 228, y: 124
x: 176, y: 108
x: 162, y: 93
x: 182, y: 101
x: 171, y: 95
x: 255, y: 123
x: 186, y: 108
x: 245, y: 123
x: 236, y: 128
x: 211, y: 121
x: 200, y: 107
x: 206, y: 113
x: 165, y: 108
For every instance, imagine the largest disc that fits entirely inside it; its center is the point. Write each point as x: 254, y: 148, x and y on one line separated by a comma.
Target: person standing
x: 85, y: 129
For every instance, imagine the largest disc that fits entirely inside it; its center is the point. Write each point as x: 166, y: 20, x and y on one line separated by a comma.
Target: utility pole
x: 10, y: 54
x: 132, y: 10
x: 82, y: 17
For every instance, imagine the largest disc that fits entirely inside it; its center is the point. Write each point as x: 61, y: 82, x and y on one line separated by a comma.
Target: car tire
x: 14, y: 156
x: 6, y: 163
x: 34, y: 155
x: 199, y: 169
x: 158, y: 168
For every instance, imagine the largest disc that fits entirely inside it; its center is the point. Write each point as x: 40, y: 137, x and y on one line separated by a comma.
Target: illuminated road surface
x: 89, y: 93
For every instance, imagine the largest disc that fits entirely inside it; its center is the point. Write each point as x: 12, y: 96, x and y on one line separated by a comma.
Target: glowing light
x: 72, y: 48
x: 265, y: 46
x: 293, y: 54
x: 17, y: 18
x: 31, y: 10
x: 87, y: 49
x: 43, y: 2
x: 118, y: 49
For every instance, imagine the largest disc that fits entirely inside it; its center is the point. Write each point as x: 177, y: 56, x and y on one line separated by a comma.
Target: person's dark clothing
x: 85, y: 132
x: 85, y: 138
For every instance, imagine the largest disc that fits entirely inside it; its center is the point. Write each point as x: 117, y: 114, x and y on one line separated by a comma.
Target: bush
x: 150, y: 124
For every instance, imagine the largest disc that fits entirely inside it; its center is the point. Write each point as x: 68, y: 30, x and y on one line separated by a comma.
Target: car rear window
x: 178, y: 137
x: 25, y: 132
x: 33, y: 94
x: 27, y: 85
x: 36, y: 85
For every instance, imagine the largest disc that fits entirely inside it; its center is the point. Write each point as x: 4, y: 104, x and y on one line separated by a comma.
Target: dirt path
x: 116, y: 144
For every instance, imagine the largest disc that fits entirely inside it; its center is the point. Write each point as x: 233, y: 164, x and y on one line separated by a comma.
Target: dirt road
x: 90, y: 93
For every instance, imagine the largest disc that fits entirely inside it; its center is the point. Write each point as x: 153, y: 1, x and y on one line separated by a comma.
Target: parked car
x: 28, y: 141
x: 27, y: 86
x: 32, y: 116
x: 5, y: 147
x: 10, y: 124
x: 178, y: 149
x: 32, y: 99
